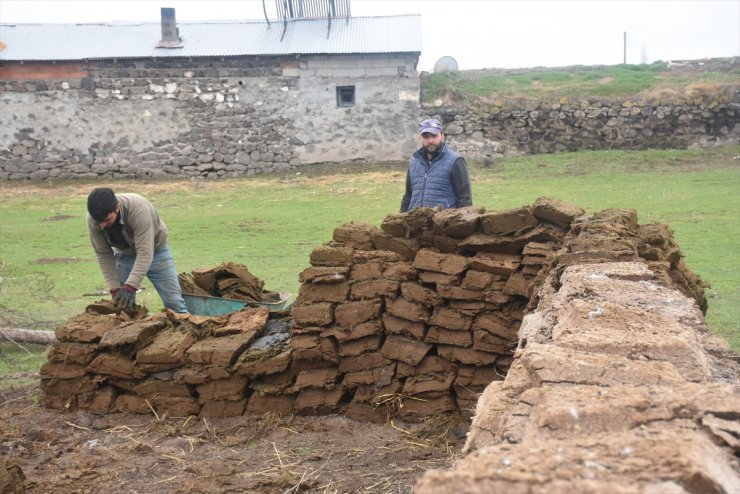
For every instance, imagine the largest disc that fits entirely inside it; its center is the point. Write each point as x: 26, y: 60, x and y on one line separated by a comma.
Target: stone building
x: 206, y: 99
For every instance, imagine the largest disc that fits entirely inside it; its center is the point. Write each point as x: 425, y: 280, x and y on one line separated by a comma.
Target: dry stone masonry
x: 206, y: 117
x: 212, y: 117
x: 507, y: 127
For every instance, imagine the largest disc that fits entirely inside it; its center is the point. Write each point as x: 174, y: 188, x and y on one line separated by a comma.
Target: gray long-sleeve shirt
x: 143, y: 231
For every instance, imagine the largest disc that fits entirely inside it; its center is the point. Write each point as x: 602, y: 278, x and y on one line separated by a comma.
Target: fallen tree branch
x: 20, y: 335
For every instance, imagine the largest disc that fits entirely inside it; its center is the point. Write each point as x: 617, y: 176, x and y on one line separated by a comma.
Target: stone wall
x: 507, y: 127
x: 226, y: 117
x: 204, y: 117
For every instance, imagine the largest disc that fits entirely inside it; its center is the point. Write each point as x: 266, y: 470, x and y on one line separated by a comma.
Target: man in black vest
x: 437, y: 175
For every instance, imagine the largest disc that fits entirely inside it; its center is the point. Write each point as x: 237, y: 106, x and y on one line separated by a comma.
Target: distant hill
x: 666, y: 80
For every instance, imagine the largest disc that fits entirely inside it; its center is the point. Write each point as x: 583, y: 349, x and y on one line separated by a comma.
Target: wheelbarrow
x: 217, y: 306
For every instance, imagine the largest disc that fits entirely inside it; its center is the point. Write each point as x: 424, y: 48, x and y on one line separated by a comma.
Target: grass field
x: 18, y: 363
x: 48, y: 271
x: 620, y: 81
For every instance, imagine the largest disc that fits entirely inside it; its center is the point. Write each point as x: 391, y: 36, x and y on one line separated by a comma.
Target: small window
x: 345, y: 96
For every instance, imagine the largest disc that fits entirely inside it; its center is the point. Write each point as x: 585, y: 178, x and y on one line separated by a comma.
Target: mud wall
x: 616, y: 386
x: 509, y: 127
x: 202, y: 117
x: 411, y: 319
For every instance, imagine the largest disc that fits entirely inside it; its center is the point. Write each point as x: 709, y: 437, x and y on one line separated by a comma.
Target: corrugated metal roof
x: 391, y: 34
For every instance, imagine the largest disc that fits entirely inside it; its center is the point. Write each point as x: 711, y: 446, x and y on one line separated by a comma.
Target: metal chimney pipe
x: 170, y: 33
x: 169, y: 25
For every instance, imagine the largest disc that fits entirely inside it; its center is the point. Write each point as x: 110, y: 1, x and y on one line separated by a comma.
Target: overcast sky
x: 479, y: 33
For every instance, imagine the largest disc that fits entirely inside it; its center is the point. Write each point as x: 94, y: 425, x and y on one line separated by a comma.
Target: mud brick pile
x: 169, y: 364
x: 228, y: 280
x: 421, y: 313
x: 412, y: 319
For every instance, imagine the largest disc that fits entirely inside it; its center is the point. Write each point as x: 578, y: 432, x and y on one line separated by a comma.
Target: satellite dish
x: 445, y: 64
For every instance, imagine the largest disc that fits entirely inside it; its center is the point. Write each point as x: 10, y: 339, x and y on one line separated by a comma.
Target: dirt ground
x: 79, y: 452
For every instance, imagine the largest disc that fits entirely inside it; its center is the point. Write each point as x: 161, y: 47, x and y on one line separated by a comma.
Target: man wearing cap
x: 437, y: 175
x: 130, y: 242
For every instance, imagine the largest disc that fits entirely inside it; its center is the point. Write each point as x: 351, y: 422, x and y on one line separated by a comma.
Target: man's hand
x: 124, y: 297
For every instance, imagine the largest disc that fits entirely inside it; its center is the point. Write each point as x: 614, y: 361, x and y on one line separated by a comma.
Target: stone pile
x: 411, y: 319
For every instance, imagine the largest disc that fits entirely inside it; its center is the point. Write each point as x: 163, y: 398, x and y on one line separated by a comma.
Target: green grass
x: 271, y: 224
x: 694, y: 192
x: 571, y: 82
x: 18, y: 363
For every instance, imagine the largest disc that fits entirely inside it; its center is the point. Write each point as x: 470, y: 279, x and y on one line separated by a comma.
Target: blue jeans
x: 162, y: 274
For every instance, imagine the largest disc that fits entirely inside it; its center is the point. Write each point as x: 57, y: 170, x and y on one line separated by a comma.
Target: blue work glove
x: 124, y: 297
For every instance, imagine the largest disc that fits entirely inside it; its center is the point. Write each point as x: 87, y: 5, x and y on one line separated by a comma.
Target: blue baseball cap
x: 431, y: 126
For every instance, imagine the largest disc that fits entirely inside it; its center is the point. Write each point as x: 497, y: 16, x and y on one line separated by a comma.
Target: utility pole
x: 625, y: 48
